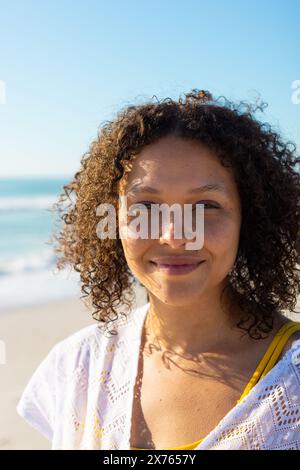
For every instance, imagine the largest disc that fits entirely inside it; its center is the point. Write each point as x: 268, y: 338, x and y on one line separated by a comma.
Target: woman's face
x: 174, y: 166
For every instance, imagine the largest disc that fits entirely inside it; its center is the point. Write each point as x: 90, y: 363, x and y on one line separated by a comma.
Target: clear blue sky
x: 70, y: 65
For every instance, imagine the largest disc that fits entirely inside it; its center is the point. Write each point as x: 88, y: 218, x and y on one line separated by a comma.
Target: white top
x: 81, y: 395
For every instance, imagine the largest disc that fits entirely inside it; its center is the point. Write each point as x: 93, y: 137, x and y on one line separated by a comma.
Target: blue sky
x: 70, y: 65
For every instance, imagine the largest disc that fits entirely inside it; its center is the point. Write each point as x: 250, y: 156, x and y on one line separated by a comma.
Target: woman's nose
x: 169, y: 233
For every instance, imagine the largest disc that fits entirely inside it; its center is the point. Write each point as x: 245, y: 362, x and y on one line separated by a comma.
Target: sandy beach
x: 28, y: 334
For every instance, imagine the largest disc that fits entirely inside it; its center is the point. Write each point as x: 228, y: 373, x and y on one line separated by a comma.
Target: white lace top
x: 81, y: 395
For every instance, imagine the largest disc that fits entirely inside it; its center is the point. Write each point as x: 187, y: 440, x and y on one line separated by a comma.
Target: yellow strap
x: 187, y: 446
x: 280, y: 346
x: 271, y: 355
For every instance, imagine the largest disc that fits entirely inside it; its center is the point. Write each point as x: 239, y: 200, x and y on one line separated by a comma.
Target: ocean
x: 28, y: 274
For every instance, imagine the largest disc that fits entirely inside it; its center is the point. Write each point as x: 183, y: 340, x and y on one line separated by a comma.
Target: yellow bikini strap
x: 293, y: 326
x: 271, y: 354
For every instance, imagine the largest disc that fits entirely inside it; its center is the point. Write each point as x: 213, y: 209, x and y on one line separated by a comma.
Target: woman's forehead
x: 189, y: 179
x: 175, y: 161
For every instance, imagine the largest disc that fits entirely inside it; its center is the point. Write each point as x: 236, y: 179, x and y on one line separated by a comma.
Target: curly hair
x: 265, y: 277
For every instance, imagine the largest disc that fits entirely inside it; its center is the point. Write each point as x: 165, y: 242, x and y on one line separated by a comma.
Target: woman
x: 210, y: 359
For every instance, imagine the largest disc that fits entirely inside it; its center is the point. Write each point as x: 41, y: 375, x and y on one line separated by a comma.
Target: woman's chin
x: 178, y: 299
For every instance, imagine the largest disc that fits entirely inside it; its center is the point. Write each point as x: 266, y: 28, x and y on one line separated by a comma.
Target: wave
x: 27, y: 202
x: 28, y: 262
x: 37, y: 287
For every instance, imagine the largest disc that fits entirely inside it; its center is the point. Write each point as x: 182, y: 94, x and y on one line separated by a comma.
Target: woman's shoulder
x: 63, y: 370
x: 293, y: 339
x: 82, y: 336
x: 99, y: 335
x: 293, y: 342
x: 72, y: 367
x: 77, y: 340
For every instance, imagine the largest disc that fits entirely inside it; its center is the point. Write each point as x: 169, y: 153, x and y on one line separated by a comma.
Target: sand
x: 27, y: 335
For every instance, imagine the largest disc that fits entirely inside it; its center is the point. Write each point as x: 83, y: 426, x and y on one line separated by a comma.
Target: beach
x: 28, y: 334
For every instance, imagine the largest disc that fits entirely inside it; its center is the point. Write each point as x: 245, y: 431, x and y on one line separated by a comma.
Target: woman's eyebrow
x: 137, y: 188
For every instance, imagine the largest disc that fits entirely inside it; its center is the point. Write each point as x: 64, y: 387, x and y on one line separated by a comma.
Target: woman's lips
x: 177, y: 269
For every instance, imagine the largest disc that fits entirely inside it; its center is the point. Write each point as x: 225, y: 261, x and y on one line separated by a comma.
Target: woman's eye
x: 139, y: 205
x: 209, y: 205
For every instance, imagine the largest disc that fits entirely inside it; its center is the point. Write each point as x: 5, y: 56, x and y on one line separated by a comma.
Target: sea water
x: 28, y: 272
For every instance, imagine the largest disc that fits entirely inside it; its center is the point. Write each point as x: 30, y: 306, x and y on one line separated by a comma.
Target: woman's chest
x: 174, y: 407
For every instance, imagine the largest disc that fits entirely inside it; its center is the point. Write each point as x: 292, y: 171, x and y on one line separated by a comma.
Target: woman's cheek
x: 134, y: 249
x: 220, y: 233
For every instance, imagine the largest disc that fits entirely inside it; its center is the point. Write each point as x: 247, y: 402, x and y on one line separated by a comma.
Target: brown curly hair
x: 265, y: 277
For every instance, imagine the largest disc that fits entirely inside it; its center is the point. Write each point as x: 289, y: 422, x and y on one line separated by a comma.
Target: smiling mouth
x: 176, y: 268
